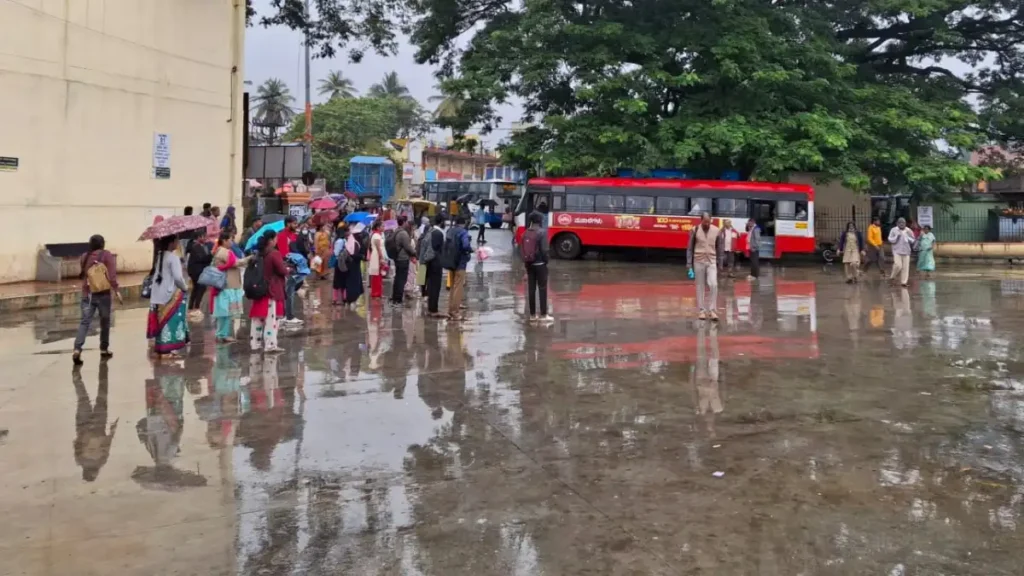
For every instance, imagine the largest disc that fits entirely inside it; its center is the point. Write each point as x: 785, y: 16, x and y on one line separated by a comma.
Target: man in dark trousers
x: 403, y: 241
x: 435, y: 272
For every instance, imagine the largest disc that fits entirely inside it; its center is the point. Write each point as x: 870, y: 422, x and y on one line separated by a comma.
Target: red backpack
x: 531, y: 244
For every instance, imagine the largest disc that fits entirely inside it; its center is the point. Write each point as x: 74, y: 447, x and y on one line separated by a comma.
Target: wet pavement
x: 821, y: 428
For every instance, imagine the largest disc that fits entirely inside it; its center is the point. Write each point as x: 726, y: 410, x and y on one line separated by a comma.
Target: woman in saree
x: 322, y: 246
x: 226, y: 304
x: 168, y: 322
x: 926, y: 251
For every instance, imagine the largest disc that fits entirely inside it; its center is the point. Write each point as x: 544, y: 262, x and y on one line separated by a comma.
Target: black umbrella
x: 487, y: 202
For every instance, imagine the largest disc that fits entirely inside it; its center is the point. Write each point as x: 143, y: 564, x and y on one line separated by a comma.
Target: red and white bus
x: 594, y: 213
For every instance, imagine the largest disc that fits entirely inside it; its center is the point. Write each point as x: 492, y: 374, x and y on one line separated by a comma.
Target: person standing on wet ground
x: 435, y: 272
x: 226, y: 304
x: 422, y: 247
x: 851, y: 246
x: 99, y: 286
x: 729, y: 241
x: 874, y: 252
x: 168, y: 323
x: 902, y: 240
x: 535, y: 257
x: 264, y: 285
x: 704, y: 257
x: 753, y: 249
x: 198, y: 257
x: 377, y: 259
x: 455, y: 256
x: 405, y: 252
x: 256, y: 225
x: 926, y: 251
x: 481, y: 223
x: 92, y: 441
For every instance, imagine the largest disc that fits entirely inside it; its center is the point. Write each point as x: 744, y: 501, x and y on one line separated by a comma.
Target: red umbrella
x: 175, y: 225
x: 325, y: 217
x: 324, y: 203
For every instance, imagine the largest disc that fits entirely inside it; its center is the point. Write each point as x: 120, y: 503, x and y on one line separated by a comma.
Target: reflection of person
x: 851, y: 246
x: 902, y: 240
x: 704, y: 257
x: 706, y: 376
x: 92, y: 441
x: 926, y: 251
x: 160, y: 431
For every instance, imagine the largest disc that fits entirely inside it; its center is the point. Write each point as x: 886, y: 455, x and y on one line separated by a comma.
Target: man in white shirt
x: 902, y: 240
x: 704, y: 257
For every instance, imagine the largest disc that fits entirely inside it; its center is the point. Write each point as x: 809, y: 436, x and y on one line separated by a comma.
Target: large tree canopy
x: 883, y: 94
x: 878, y: 93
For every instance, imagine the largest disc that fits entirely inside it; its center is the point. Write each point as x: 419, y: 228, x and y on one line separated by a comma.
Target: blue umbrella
x: 364, y: 218
x: 275, y: 226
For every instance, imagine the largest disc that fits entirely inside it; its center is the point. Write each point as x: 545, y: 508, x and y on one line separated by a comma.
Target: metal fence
x: 989, y: 227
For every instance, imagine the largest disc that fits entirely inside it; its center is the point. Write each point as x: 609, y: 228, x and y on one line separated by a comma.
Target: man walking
x: 704, y: 258
x: 457, y: 250
x: 875, y: 253
x: 535, y: 256
x: 902, y: 240
x: 403, y: 244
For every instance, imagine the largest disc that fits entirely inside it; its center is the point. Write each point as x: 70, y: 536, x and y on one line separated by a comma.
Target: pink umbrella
x: 324, y: 203
x: 175, y: 225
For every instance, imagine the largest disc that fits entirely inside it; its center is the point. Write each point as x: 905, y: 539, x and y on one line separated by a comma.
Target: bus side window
x: 639, y: 205
x: 699, y: 206
x: 732, y: 207
x: 785, y: 210
x: 801, y: 210
x: 579, y: 203
x: 672, y: 205
x: 609, y: 203
x: 558, y: 203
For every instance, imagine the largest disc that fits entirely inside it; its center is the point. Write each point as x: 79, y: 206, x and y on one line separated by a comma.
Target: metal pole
x: 307, y: 156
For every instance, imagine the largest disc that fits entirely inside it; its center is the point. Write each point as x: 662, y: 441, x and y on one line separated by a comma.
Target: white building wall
x: 84, y: 86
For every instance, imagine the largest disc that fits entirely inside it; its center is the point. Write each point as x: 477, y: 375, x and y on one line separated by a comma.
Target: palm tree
x: 391, y: 87
x: 273, y: 107
x: 447, y: 106
x: 337, y: 86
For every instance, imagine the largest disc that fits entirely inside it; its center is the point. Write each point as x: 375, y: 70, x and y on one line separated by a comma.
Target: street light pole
x: 307, y: 153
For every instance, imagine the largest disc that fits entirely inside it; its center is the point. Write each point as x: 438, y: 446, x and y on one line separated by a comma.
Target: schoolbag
x: 427, y: 253
x: 530, y: 247
x: 390, y: 243
x: 97, y: 277
x: 254, y: 283
x: 344, y: 258
x: 450, y: 252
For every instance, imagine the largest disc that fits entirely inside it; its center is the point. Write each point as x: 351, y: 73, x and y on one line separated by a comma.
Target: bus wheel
x: 567, y: 246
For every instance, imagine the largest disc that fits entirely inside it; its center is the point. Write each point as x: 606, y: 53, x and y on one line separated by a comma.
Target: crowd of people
x: 860, y: 254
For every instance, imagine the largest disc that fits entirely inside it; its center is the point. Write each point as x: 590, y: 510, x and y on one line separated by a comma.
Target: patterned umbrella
x: 323, y: 204
x: 175, y: 225
x: 325, y: 217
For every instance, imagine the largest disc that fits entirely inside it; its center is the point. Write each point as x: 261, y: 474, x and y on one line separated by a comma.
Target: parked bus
x: 595, y: 213
x: 504, y: 193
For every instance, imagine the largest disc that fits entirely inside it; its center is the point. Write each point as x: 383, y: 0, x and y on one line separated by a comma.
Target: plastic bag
x: 484, y: 252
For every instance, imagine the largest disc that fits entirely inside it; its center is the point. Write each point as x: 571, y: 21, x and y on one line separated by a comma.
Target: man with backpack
x: 99, y: 285
x: 455, y: 257
x: 432, y: 244
x: 402, y: 255
x: 534, y: 252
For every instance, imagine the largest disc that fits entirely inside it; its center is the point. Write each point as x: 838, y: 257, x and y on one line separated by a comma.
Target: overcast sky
x: 277, y: 53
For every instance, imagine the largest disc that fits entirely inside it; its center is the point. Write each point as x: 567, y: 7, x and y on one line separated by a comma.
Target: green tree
x: 448, y: 105
x: 865, y: 92
x: 336, y: 85
x: 347, y: 127
x: 273, y: 109
x: 390, y: 87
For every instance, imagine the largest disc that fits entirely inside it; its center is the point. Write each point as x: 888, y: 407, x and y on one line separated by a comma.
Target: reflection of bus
x: 761, y: 328
x: 594, y: 213
x: 503, y: 192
